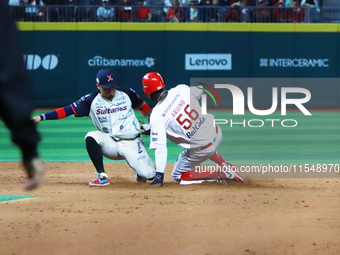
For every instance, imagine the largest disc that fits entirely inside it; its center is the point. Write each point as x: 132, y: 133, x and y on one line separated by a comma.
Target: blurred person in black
x: 15, y: 104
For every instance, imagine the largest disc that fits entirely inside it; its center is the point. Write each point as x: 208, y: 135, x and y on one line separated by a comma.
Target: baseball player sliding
x: 177, y: 116
x: 111, y: 110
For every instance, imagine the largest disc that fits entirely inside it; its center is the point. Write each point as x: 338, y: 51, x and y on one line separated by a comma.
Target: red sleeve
x: 170, y: 13
x: 145, y: 108
x: 58, y: 113
x: 61, y: 113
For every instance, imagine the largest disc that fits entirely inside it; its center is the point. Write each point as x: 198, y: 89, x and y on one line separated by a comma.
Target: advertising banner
x: 63, y: 64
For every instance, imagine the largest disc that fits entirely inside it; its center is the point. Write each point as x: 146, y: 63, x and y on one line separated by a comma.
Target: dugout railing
x: 121, y: 13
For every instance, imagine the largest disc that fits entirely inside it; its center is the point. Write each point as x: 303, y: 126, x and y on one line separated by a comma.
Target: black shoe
x: 158, y: 181
x: 35, y: 172
x: 140, y: 179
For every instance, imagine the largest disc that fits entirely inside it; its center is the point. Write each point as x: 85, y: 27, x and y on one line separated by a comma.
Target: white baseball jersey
x: 178, y: 117
x: 117, y: 124
x: 115, y: 118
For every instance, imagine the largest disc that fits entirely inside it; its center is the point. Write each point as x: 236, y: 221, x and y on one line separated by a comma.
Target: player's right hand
x: 158, y: 181
x: 144, y: 128
x: 36, y: 119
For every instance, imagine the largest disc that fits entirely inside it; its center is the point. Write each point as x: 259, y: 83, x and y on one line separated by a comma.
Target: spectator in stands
x: 192, y: 11
x: 68, y: 13
x: 97, y: 2
x: 226, y: 2
x: 238, y: 11
x: 295, y: 14
x: 17, y: 10
x: 312, y: 13
x: 144, y: 13
x: 105, y: 12
x: 176, y: 12
x: 216, y: 14
x: 53, y: 9
x: 310, y: 3
x: 211, y: 11
x: 15, y: 2
x: 156, y: 10
x: 205, y: 10
x: 280, y: 12
x: 183, y: 3
x: 261, y: 13
x: 124, y: 12
x: 167, y: 4
x: 35, y: 11
x: 86, y: 12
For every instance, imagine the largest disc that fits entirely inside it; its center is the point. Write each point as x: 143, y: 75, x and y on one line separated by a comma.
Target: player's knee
x: 90, y: 140
x: 148, y: 173
x: 92, y: 136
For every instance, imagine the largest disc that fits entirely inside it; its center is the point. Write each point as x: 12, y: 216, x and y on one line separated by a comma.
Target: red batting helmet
x: 152, y: 82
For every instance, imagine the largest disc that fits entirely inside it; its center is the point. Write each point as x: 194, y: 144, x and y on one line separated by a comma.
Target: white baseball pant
x: 133, y: 151
x: 190, y: 158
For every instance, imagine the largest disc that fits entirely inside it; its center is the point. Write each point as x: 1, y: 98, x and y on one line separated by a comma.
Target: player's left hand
x: 158, y: 181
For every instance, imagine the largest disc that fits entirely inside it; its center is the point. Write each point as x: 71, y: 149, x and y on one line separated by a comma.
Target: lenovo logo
x: 207, y: 61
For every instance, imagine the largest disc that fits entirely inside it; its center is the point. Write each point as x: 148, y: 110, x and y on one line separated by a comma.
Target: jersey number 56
x: 186, y: 122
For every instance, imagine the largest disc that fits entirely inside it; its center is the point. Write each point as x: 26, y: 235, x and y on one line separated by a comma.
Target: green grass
x: 63, y: 141
x: 315, y: 140
x: 13, y: 197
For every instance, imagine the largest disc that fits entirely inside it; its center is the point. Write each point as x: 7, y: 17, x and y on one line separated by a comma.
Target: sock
x: 95, y: 152
x: 217, y: 158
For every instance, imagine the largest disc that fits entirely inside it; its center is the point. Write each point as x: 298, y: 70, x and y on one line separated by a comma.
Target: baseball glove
x: 144, y: 128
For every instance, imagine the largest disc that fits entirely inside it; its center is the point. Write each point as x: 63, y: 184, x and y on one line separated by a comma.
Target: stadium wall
x: 63, y: 58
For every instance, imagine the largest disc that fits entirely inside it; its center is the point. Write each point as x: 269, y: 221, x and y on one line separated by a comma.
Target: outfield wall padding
x: 63, y: 58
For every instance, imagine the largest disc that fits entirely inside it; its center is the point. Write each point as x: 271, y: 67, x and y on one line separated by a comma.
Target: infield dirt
x: 261, y: 216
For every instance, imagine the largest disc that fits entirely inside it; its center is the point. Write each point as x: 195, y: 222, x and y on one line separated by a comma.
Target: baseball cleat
x: 35, y: 171
x: 140, y: 179
x: 101, y: 180
x: 231, y: 172
x: 158, y: 181
x: 183, y: 182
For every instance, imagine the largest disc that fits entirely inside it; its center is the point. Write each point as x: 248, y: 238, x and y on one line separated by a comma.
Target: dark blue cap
x: 105, y: 79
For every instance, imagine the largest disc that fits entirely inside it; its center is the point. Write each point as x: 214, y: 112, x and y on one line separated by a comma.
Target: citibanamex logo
x: 149, y: 62
x: 101, y: 61
x: 33, y: 61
